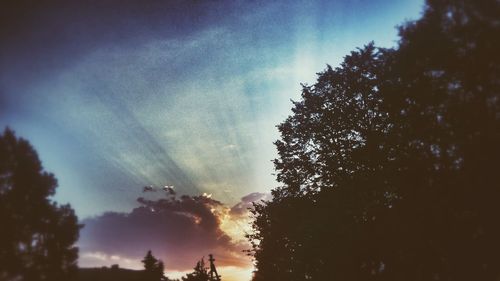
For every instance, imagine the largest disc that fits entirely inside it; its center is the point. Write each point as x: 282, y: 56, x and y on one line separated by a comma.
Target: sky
x: 116, y: 95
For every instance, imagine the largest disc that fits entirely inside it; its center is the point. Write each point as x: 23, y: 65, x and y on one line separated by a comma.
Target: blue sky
x: 119, y: 95
x: 115, y: 95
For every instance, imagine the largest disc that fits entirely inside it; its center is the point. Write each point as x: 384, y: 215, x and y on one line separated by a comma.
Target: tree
x: 153, y: 268
x: 38, y: 235
x: 387, y: 164
x: 444, y: 104
x: 317, y: 215
x: 200, y: 273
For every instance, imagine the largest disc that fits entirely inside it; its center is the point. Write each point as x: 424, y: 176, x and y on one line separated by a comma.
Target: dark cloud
x: 246, y: 203
x: 179, y: 231
x: 40, y: 36
x: 33, y: 28
x: 114, y: 20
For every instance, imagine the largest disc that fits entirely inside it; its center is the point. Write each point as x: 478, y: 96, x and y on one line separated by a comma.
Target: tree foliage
x: 388, y: 163
x: 200, y: 272
x: 37, y: 235
x: 153, y: 268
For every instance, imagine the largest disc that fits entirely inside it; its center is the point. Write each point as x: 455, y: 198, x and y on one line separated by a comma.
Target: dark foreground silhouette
x: 389, y: 164
x: 153, y: 271
x: 37, y: 235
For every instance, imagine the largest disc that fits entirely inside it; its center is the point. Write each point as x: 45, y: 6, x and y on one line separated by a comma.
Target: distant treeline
x: 153, y: 271
x: 108, y: 274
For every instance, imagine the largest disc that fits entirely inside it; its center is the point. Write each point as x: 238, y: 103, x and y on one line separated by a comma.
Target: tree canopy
x: 200, y: 272
x: 37, y: 235
x: 388, y: 163
x: 153, y: 268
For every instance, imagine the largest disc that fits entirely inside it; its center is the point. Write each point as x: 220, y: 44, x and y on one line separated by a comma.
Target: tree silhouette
x: 153, y: 268
x: 388, y: 163
x: 317, y: 215
x: 200, y: 273
x: 37, y: 235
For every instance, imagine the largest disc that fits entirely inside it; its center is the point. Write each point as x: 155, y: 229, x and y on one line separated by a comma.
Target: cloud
x: 178, y: 230
x: 246, y: 203
x: 97, y: 259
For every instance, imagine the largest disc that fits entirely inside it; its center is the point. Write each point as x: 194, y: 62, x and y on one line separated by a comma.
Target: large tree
x: 37, y: 235
x: 324, y: 148
x: 387, y: 163
x: 443, y: 97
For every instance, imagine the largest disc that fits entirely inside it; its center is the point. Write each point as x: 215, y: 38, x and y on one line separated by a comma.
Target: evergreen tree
x: 153, y: 268
x: 200, y: 273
